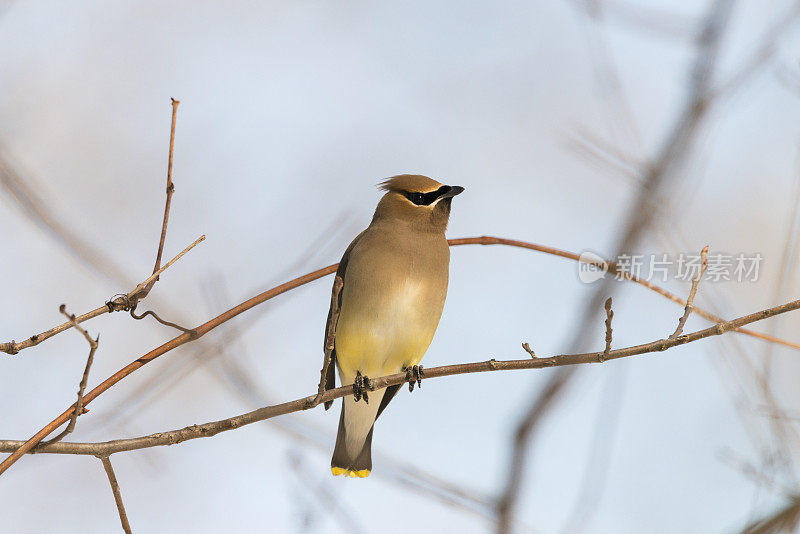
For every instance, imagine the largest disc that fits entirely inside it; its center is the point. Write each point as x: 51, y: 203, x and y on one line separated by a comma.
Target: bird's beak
x: 453, y: 191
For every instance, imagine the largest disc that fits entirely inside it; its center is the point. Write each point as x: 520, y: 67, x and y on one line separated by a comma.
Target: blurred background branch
x: 485, y: 96
x: 658, y: 181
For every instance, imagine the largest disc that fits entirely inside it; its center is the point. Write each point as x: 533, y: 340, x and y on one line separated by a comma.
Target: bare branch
x: 613, y: 269
x: 692, y: 292
x: 671, y: 155
x: 140, y: 291
x: 210, y: 429
x: 9, y: 179
x: 13, y: 347
x: 609, y: 316
x: 160, y: 320
x: 259, y: 299
x: 338, y: 283
x: 527, y: 348
x: 170, y: 191
x: 112, y: 479
x: 84, y: 379
x: 163, y: 349
x: 526, y: 428
x: 122, y: 302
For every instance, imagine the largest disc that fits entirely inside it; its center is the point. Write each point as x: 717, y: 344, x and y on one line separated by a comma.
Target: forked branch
x: 212, y: 428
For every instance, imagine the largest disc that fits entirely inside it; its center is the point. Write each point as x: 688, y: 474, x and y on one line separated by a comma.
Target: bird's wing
x: 341, y: 271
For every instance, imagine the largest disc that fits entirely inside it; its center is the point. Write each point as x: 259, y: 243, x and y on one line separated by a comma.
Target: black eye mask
x: 426, y: 199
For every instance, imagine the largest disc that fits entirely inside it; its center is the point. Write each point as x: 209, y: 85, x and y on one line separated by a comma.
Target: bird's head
x: 417, y: 200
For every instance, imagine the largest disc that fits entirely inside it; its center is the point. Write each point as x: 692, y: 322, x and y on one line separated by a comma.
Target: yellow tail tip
x: 349, y: 472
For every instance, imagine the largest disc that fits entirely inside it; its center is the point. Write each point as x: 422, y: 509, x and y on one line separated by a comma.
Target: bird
x: 394, y: 278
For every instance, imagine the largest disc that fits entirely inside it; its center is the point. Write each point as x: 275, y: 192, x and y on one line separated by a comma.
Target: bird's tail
x: 352, y: 455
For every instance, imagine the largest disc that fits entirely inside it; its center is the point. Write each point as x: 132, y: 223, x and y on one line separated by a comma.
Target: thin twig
x: 527, y: 348
x: 121, y: 302
x: 163, y: 349
x: 140, y: 291
x: 13, y: 347
x: 8, y: 178
x: 330, y: 336
x: 148, y: 390
x: 405, y: 475
x: 613, y: 269
x: 160, y: 320
x: 210, y: 429
x: 609, y: 316
x: 244, y: 306
x: 170, y: 191
x: 692, y: 292
x: 112, y: 479
x: 79, y: 410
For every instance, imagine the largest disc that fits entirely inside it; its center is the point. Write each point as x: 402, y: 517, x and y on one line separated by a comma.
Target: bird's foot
x: 361, y: 386
x: 414, y: 374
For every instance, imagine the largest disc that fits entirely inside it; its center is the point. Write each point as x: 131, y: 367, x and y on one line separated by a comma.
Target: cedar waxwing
x: 394, y: 284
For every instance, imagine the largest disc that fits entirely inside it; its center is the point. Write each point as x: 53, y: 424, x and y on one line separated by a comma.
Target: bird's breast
x: 391, y: 307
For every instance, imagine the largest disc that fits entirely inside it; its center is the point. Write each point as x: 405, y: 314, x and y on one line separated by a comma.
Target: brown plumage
x: 395, y: 277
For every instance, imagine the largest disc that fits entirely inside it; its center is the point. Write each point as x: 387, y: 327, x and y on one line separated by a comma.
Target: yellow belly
x: 384, y: 333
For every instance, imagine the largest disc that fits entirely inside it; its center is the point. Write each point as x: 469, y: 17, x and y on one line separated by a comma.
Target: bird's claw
x: 360, y: 387
x: 414, y: 374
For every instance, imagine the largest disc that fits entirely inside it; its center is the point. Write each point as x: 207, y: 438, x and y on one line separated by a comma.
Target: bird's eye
x: 418, y: 198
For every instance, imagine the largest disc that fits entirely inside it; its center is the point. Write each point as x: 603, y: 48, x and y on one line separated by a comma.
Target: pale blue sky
x: 290, y: 114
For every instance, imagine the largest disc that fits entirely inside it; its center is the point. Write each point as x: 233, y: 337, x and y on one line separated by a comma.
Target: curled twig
x: 120, y: 302
x: 192, y: 333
